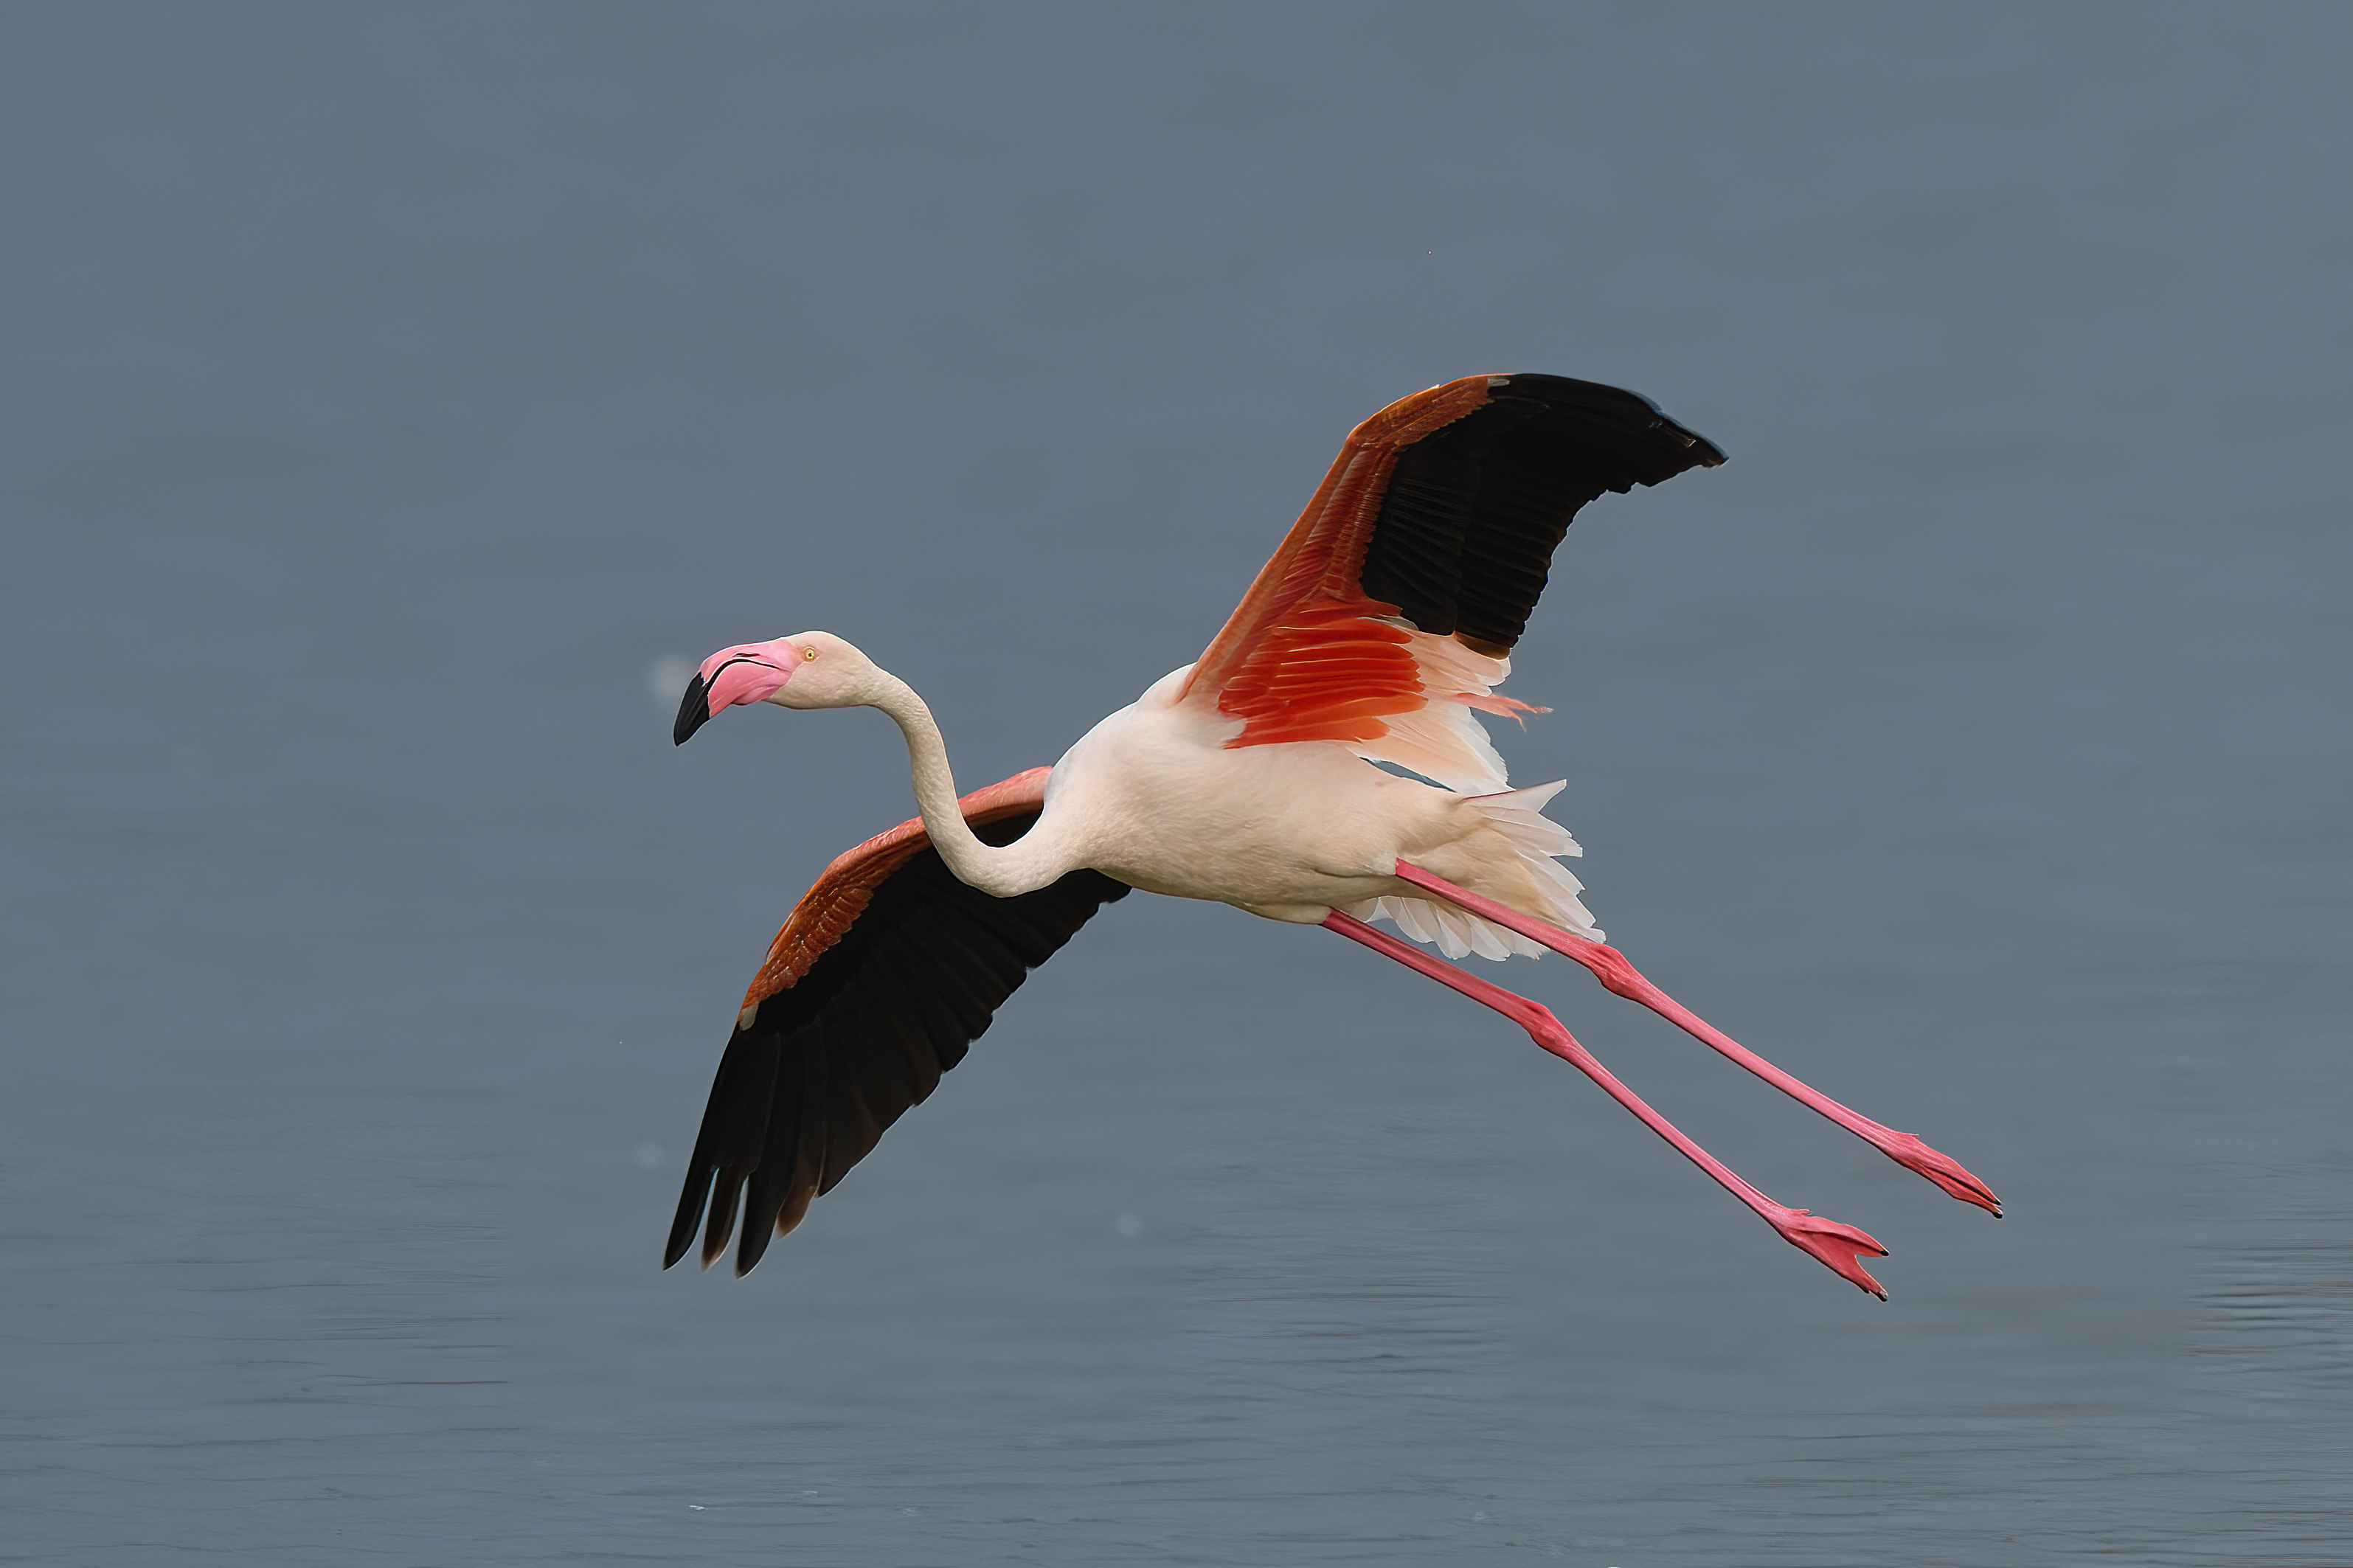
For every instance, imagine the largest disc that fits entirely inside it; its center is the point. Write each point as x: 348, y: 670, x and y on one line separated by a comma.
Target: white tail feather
x: 1518, y: 815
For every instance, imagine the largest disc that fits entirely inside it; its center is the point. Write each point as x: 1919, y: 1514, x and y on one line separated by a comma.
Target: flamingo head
x: 809, y: 669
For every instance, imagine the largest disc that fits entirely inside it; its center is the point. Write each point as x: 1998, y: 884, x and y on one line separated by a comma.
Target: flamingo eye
x: 807, y: 654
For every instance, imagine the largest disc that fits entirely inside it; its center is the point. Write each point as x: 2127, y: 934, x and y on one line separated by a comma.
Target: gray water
x: 395, y: 393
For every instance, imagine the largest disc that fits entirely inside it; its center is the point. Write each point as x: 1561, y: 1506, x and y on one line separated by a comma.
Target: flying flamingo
x: 1246, y: 777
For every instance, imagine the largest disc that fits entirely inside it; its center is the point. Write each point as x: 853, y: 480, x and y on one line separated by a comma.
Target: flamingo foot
x: 1835, y: 1245
x: 1906, y: 1149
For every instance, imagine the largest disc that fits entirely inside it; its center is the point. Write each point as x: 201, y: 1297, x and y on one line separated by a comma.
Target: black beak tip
x: 693, y: 712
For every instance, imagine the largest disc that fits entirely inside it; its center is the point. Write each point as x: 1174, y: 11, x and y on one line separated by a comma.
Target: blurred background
x: 399, y: 399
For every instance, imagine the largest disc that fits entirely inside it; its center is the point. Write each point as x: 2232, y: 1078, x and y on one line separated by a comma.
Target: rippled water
x: 396, y: 395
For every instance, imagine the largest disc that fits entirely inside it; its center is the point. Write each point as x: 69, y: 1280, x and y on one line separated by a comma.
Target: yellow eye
x: 807, y: 654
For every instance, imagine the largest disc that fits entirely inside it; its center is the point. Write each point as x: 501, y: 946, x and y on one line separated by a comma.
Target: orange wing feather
x: 1305, y: 657
x: 829, y: 909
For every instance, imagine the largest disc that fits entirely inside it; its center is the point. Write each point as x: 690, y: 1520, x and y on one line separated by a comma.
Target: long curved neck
x: 1024, y: 866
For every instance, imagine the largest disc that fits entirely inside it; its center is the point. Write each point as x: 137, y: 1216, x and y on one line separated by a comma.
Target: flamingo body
x: 1381, y: 624
x: 1155, y: 797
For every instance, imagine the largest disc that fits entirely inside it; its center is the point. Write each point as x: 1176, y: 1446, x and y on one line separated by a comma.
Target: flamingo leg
x: 1834, y: 1244
x: 1609, y: 967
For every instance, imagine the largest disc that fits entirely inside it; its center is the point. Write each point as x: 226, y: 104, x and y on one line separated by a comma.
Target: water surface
x: 393, y: 395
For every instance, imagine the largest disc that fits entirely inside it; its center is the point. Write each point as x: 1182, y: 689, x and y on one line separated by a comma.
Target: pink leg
x: 1835, y: 1245
x: 1609, y: 967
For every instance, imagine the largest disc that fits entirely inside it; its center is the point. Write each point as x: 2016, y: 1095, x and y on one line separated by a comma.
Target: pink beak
x: 748, y: 672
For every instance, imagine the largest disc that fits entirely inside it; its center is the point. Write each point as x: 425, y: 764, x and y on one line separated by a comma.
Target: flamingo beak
x: 693, y: 711
x: 748, y: 672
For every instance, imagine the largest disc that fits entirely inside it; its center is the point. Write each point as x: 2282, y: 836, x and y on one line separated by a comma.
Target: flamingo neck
x: 1024, y: 866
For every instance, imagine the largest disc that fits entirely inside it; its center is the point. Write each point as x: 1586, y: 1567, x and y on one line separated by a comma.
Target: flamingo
x: 1248, y: 777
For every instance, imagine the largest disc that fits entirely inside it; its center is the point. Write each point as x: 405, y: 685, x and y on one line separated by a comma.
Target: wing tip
x: 1696, y: 449
x: 691, y: 1201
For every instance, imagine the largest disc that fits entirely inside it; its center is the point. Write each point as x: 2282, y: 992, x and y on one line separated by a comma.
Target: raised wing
x: 887, y: 971
x: 1392, y: 604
